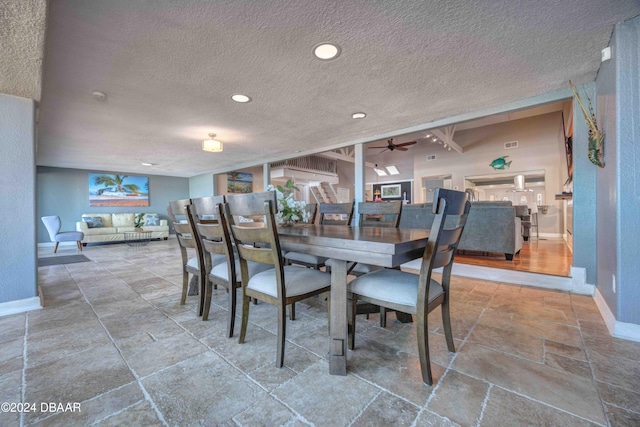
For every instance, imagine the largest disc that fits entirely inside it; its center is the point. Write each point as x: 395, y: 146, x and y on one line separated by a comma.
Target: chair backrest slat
x: 205, y: 207
x: 312, y: 208
x: 387, y: 214
x: 254, y: 240
x: 443, y: 242
x: 328, y: 211
x: 182, y: 228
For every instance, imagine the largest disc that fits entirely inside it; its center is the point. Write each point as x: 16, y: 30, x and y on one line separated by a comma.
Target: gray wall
x: 65, y: 192
x: 584, y: 193
x: 17, y: 206
x: 606, y: 194
x: 619, y: 105
x: 202, y: 185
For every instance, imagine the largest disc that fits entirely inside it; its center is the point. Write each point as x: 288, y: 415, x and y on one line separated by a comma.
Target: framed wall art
x: 239, y: 182
x: 390, y: 191
x: 118, y: 190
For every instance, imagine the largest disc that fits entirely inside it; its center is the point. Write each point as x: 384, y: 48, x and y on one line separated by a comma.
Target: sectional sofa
x: 102, y: 227
x: 491, y: 226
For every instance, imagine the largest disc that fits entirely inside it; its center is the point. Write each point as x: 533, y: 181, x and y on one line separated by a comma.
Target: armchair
x: 54, y: 225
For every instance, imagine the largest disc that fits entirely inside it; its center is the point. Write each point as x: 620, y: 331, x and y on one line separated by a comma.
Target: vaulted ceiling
x: 168, y: 70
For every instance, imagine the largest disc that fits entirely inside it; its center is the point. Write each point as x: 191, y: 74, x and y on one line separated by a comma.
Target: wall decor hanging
x: 239, y: 182
x: 596, y: 136
x: 118, y: 190
x: 500, y: 163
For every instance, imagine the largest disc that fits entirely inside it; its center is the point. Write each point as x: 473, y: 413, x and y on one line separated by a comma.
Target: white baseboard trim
x: 20, y: 306
x: 550, y: 235
x: 514, y: 277
x: 567, y: 284
x: 627, y: 331
x: 579, y: 283
x: 52, y: 244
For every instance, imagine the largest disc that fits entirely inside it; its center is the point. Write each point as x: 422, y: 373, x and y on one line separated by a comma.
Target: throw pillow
x: 97, y: 222
x: 93, y: 221
x: 152, y: 220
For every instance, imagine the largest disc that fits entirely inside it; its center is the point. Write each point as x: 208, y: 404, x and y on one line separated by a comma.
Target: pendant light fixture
x: 212, y: 145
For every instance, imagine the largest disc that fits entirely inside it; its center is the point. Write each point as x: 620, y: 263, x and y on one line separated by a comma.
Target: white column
x: 358, y: 179
x: 266, y: 175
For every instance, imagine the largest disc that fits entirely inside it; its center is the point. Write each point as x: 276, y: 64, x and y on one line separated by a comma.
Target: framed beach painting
x: 118, y: 190
x: 239, y: 182
x: 390, y: 191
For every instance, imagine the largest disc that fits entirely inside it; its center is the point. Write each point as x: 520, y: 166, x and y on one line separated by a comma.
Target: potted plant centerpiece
x: 290, y: 211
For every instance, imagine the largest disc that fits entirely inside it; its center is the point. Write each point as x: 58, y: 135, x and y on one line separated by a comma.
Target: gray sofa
x: 491, y: 226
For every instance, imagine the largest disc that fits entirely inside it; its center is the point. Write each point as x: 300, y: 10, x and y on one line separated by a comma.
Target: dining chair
x: 214, y: 241
x: 204, y: 209
x: 177, y: 211
x: 336, y: 213
x: 379, y: 214
x: 258, y: 242
x: 420, y: 294
x: 375, y: 214
x: 328, y: 213
x: 53, y: 225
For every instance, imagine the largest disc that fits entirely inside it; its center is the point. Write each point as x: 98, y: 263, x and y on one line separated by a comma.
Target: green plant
x: 289, y: 210
x: 139, y: 221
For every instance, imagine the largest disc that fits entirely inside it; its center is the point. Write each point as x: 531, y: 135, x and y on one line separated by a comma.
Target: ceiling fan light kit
x: 400, y: 147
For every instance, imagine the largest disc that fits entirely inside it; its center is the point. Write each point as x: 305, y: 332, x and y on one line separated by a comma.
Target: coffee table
x: 137, y: 238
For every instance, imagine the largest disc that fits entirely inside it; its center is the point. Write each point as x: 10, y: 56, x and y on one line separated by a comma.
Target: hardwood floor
x: 546, y: 256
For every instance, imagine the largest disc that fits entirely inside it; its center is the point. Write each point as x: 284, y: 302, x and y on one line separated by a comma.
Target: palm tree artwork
x: 115, y: 183
x: 118, y: 190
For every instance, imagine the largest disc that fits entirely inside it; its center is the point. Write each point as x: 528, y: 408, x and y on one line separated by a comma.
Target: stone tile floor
x: 113, y: 338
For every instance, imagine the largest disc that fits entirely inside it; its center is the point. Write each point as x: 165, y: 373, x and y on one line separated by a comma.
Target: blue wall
x: 17, y: 205
x: 65, y: 192
x: 618, y: 184
x: 607, y: 196
x: 584, y: 193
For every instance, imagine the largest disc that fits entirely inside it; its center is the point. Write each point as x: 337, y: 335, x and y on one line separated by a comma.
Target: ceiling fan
x: 391, y: 146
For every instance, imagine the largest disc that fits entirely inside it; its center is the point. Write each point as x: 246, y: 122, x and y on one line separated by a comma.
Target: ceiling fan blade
x: 401, y: 148
x: 406, y: 143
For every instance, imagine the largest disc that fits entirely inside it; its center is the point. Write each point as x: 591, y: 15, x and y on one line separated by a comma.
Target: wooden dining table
x: 385, y: 247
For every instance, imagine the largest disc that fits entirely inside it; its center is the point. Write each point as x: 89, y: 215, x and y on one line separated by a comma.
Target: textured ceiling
x: 22, y: 29
x: 168, y: 69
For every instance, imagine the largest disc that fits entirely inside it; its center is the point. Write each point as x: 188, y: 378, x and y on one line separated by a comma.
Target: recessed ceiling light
x: 326, y: 51
x: 148, y: 164
x: 241, y: 98
x: 100, y: 96
x: 358, y: 115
